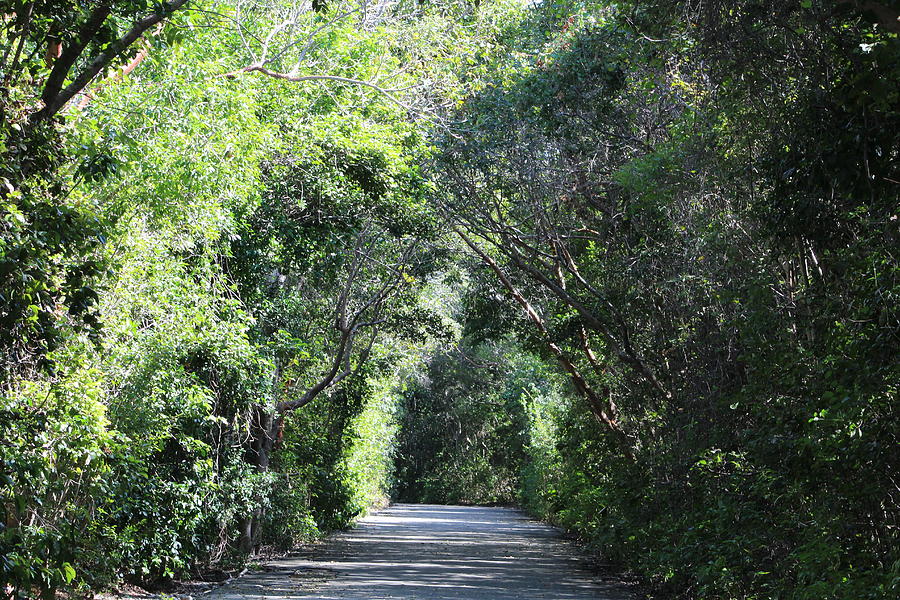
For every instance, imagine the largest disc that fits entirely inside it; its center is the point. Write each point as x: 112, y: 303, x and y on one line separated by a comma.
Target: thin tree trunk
x: 264, y: 432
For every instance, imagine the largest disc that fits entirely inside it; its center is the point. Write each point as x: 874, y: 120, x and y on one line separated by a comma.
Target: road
x: 419, y: 552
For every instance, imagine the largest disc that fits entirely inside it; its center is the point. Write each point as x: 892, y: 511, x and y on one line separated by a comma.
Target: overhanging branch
x: 55, y: 96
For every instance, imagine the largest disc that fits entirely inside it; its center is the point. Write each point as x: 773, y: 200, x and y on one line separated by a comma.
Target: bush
x: 55, y: 444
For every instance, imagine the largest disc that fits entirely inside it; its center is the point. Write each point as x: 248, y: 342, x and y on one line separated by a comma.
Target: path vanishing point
x: 419, y: 552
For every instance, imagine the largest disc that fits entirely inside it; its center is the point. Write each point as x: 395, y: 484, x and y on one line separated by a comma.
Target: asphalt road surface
x: 419, y: 552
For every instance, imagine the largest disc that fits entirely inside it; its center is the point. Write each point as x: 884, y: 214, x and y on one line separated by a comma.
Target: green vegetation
x: 630, y: 265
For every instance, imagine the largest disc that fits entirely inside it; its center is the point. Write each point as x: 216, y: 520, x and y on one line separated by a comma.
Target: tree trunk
x: 264, y: 431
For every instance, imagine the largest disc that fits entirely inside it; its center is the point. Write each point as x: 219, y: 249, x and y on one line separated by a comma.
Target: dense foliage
x: 630, y: 265
x: 466, y: 427
x: 189, y: 259
x: 696, y: 204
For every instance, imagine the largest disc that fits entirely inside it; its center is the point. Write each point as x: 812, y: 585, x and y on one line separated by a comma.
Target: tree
x: 51, y: 51
x: 687, y: 226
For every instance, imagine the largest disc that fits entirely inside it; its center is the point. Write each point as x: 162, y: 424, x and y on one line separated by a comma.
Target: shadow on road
x: 433, y: 552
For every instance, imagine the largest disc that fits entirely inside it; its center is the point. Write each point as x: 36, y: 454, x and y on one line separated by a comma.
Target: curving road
x: 419, y: 552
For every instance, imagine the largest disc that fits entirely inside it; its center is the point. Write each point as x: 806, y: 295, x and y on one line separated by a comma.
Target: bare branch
x: 310, y: 40
x: 350, y: 326
x: 601, y: 410
x: 298, y: 78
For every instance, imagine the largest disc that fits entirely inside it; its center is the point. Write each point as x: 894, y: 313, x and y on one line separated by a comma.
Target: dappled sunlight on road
x: 436, y: 553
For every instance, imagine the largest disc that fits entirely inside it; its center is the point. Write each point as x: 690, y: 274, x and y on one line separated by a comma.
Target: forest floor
x: 418, y: 552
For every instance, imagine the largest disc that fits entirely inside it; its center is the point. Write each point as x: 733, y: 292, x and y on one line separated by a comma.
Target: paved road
x: 419, y: 552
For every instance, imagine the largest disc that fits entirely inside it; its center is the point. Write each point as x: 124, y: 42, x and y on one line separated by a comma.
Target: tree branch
x: 54, y: 84
x: 601, y: 411
x: 349, y: 327
x: 623, y: 348
x: 54, y: 95
x: 298, y: 78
